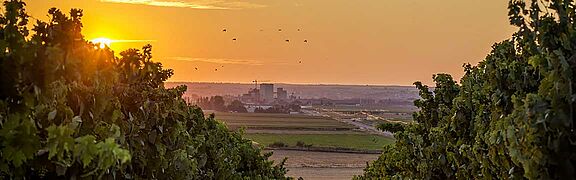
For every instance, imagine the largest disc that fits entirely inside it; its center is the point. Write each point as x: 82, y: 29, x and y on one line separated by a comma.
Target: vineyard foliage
x: 510, y: 117
x: 71, y: 110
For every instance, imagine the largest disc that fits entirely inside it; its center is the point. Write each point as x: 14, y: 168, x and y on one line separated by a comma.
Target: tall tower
x: 267, y: 92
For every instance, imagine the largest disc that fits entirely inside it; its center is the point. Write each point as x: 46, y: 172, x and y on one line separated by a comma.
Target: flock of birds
x: 279, y: 30
x: 235, y: 39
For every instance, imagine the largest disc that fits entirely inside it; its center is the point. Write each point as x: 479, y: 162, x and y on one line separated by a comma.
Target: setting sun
x: 102, y: 42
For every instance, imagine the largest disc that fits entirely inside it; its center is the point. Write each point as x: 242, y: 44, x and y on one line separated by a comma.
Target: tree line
x: 217, y: 103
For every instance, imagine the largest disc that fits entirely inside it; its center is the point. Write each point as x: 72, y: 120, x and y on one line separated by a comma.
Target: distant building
x: 281, y: 94
x: 267, y: 92
x: 253, y: 96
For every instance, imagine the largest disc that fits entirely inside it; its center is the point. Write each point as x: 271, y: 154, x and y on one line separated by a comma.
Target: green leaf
x: 116, y: 114
x: 52, y: 114
x: 76, y: 121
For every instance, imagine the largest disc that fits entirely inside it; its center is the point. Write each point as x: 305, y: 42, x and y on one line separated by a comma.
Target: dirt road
x: 323, y: 165
x: 363, y: 127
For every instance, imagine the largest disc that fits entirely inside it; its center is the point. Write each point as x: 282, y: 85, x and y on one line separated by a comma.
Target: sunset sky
x: 384, y: 42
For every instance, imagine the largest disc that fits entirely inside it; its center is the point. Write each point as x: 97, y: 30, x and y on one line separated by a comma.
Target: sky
x: 366, y: 42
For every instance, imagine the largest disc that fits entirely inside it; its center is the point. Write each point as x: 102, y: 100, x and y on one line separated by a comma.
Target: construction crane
x: 256, y: 83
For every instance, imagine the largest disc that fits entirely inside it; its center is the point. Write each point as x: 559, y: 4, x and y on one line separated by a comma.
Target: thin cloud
x: 220, y: 60
x: 193, y: 4
x: 130, y: 40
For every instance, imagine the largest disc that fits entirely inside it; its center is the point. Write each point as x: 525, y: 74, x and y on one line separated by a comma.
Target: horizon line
x: 290, y: 83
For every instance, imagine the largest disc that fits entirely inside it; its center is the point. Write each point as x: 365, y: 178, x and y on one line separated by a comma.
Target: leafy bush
x: 69, y: 109
x: 391, y: 127
x: 278, y: 144
x: 510, y: 117
x: 303, y: 144
x: 300, y: 144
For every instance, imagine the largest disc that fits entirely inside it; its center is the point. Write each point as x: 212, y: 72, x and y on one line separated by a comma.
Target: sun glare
x: 102, y: 42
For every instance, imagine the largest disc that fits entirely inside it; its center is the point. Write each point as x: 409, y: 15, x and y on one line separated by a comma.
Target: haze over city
x: 385, y: 42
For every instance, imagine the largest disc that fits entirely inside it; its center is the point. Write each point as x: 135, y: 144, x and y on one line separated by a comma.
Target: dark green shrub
x: 511, y: 117
x: 69, y: 110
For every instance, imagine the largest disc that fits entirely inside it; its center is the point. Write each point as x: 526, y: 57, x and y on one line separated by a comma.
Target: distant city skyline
x: 392, y: 42
x: 302, y: 91
x: 292, y: 83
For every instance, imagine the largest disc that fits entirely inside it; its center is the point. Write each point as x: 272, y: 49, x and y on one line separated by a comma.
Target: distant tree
x: 217, y: 103
x: 204, y: 103
x: 295, y: 106
x: 259, y: 110
x: 391, y: 127
x: 236, y: 106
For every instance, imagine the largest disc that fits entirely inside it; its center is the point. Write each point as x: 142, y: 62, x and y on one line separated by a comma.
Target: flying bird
x: 300, y: 62
x: 234, y: 39
x: 298, y: 29
x: 279, y: 29
x: 224, y: 30
x: 287, y: 40
x: 196, y: 68
x: 305, y: 41
x: 215, y: 69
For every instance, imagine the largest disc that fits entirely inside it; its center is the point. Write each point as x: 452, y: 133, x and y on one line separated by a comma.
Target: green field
x: 353, y: 141
x: 289, y: 129
x: 280, y: 121
x: 389, y: 109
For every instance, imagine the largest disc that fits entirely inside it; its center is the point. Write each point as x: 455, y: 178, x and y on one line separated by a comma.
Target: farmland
x: 323, y: 141
x: 351, y: 141
x: 253, y: 121
x: 318, y: 131
x: 323, y: 165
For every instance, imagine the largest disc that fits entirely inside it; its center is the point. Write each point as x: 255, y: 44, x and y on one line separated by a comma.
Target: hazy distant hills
x: 336, y: 92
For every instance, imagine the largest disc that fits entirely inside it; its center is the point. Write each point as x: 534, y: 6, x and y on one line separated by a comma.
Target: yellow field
x: 280, y: 122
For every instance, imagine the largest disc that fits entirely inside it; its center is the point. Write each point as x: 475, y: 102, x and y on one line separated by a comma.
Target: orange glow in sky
x: 390, y: 42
